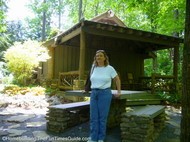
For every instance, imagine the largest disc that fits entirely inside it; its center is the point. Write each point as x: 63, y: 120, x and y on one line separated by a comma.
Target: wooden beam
x: 82, y: 55
x: 129, y: 34
x: 51, y: 63
x: 70, y: 35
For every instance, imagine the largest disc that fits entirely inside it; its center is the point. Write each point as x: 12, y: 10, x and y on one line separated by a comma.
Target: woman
x: 101, y: 95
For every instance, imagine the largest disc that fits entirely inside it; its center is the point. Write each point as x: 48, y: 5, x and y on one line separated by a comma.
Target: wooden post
x: 82, y: 54
x: 50, y: 66
x: 154, y: 65
x: 175, y: 64
x: 153, y: 81
x: 175, y: 68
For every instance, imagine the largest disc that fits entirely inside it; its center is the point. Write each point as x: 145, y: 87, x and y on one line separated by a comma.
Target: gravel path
x: 171, y: 132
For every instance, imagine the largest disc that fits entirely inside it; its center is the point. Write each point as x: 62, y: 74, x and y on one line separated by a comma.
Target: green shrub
x: 23, y: 59
x: 174, y: 98
x: 38, y: 90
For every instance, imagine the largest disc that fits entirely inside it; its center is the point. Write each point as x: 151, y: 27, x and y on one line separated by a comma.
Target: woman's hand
x: 117, y: 95
x: 85, y: 92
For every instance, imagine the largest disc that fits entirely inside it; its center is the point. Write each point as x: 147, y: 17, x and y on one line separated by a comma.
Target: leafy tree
x: 150, y: 15
x: 16, y: 31
x: 53, y: 33
x: 4, y: 41
x: 58, y: 9
x: 22, y: 59
x: 39, y: 25
x: 171, y: 17
x: 164, y: 62
x: 42, y: 23
x: 3, y: 7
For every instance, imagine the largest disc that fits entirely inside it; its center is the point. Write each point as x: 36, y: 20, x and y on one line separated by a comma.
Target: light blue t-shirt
x: 101, y: 77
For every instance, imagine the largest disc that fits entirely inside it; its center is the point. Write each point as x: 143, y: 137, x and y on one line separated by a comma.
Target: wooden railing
x: 158, y: 82
x: 66, y: 79
x: 155, y: 83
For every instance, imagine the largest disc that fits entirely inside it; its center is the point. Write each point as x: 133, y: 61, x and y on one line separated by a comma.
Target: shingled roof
x: 109, y: 25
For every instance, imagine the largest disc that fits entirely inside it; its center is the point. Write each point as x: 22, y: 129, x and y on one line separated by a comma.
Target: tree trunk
x: 44, y: 24
x: 80, y: 10
x: 60, y: 14
x: 185, y: 121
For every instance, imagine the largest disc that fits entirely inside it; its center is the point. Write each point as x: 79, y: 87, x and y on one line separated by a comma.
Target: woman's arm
x: 118, y: 85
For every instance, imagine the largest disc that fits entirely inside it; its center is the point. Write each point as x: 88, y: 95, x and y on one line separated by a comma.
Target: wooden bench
x: 63, y: 116
x: 142, y: 123
x: 144, y: 99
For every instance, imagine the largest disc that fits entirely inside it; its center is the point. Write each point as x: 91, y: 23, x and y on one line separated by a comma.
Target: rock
x: 26, y: 101
x: 15, y: 132
x: 3, y: 104
x: 35, y: 124
x: 5, y: 113
x: 3, y: 132
x: 14, y: 126
x: 174, y: 123
x: 54, y: 100
x: 20, y: 118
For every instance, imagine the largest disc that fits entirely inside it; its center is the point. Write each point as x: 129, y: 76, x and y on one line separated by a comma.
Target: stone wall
x: 141, y: 128
x: 116, y: 109
x: 59, y: 120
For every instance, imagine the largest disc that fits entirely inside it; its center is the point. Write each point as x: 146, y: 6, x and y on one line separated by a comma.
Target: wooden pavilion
x: 72, y: 51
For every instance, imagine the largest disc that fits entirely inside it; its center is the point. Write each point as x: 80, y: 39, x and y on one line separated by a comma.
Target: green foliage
x: 5, y: 76
x: 16, y: 31
x: 3, y: 9
x: 8, y: 79
x: 148, y: 67
x: 164, y: 63
x: 4, y: 41
x: 38, y: 7
x: 51, y: 91
x: 171, y: 98
x: 161, y: 16
x: 53, y: 33
x: 23, y: 59
x: 4, y: 44
x: 38, y: 90
x: 34, y: 27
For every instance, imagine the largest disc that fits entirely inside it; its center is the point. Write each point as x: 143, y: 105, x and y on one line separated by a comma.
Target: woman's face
x: 100, y: 58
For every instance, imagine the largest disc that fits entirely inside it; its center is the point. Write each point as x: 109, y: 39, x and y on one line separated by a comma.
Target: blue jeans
x: 100, y: 101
